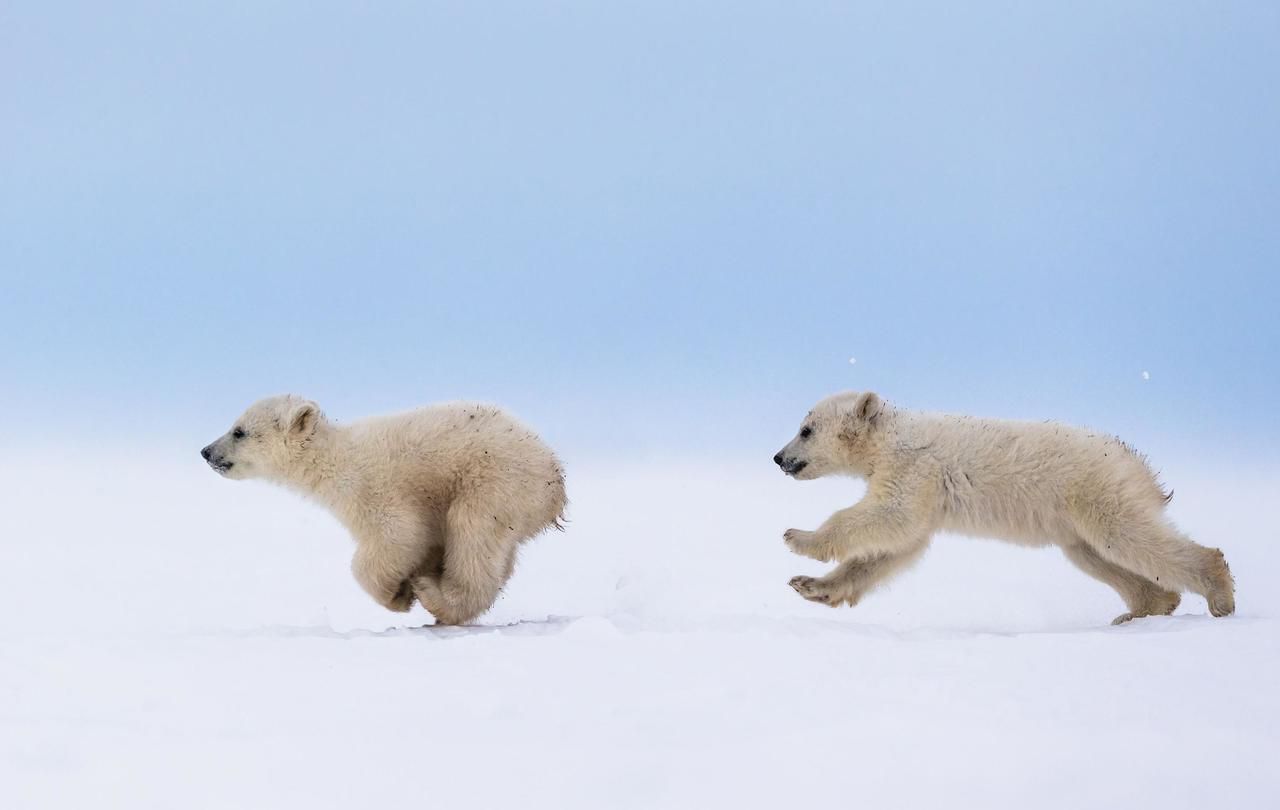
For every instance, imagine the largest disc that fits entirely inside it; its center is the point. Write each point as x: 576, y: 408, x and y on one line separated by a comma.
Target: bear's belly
x: 1004, y: 519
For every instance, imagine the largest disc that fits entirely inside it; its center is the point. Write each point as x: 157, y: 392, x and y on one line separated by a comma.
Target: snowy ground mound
x: 175, y: 639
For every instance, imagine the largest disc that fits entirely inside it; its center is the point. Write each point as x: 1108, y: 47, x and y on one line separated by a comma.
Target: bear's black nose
x: 205, y: 453
x: 778, y: 459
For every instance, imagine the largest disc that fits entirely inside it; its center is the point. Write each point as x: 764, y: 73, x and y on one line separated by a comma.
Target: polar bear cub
x: 1028, y: 483
x: 438, y: 499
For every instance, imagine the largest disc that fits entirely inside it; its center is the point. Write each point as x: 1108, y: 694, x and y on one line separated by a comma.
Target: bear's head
x: 834, y: 438
x: 268, y: 440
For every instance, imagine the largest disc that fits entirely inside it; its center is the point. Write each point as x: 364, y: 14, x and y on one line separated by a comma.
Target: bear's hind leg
x: 1148, y: 545
x: 1142, y: 596
x: 479, y: 557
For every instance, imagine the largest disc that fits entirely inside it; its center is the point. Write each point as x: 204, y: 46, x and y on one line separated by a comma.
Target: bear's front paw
x: 806, y: 544
x: 431, y: 594
x: 831, y: 594
x: 810, y: 589
x: 403, y: 599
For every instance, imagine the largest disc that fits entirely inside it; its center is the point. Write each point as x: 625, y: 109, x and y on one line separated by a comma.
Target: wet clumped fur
x: 1029, y: 483
x: 438, y: 499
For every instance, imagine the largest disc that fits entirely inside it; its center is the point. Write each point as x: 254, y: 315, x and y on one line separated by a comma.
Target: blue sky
x: 644, y: 226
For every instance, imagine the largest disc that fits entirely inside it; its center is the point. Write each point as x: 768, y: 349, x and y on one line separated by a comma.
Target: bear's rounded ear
x: 302, y: 418
x: 867, y: 407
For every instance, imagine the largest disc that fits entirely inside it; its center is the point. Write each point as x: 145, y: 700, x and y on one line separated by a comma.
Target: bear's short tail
x: 559, y: 521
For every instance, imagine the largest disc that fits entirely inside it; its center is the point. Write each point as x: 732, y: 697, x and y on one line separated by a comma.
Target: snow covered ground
x: 171, y: 639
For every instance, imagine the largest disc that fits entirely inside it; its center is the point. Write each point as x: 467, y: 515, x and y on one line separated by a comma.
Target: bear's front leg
x: 808, y: 544
x: 848, y: 583
x: 383, y: 576
x: 875, y: 525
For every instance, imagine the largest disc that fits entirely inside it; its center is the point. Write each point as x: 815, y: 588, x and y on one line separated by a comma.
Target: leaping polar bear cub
x: 1027, y: 483
x: 438, y: 499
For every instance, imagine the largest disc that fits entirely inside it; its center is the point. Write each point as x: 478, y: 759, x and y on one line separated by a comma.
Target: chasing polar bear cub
x: 1027, y: 483
x: 438, y: 499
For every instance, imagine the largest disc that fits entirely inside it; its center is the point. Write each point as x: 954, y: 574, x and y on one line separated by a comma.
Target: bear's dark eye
x: 237, y: 434
x: 806, y: 432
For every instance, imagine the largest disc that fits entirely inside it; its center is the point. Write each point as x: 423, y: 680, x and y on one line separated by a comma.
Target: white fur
x: 438, y: 499
x: 1024, y: 482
